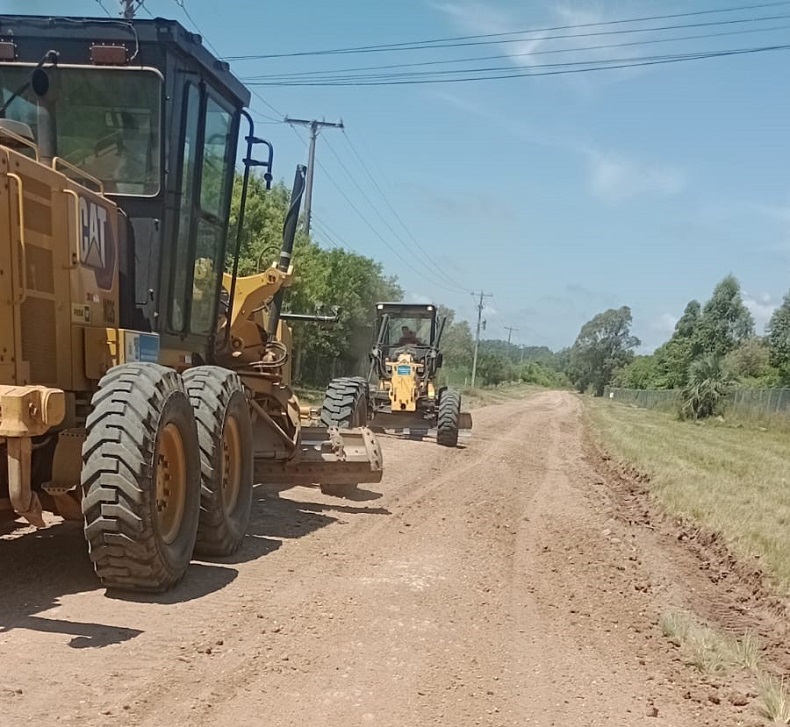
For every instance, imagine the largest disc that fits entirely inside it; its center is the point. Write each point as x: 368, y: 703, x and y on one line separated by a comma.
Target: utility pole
x: 510, y: 330
x: 127, y: 9
x: 315, y: 127
x: 477, y: 334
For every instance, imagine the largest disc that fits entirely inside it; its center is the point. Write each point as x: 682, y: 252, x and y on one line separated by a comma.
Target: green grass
x: 732, y: 481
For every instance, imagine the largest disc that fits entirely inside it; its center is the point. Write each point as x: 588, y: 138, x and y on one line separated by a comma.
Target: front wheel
x: 345, y: 407
x: 448, y: 419
x: 140, y: 478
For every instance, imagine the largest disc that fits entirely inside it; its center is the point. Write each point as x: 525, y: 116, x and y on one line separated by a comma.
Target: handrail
x: 75, y: 255
x: 18, y: 138
x: 79, y: 172
x: 22, y: 247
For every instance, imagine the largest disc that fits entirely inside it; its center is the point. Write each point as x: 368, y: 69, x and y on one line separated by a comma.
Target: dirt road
x: 489, y: 585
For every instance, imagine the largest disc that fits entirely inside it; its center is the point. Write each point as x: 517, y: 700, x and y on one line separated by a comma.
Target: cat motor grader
x: 402, y: 389
x: 143, y: 390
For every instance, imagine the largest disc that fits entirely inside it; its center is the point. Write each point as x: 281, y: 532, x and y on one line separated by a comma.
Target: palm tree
x: 707, y: 386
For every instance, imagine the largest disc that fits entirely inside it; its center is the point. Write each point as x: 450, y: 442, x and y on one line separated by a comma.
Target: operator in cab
x: 408, y: 337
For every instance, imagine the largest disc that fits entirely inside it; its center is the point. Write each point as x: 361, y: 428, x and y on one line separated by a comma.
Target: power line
x: 500, y: 56
x: 269, y: 106
x: 455, y: 286
x: 185, y: 9
x: 102, y: 6
x: 590, y: 66
x: 328, y: 237
x: 437, y: 266
x: 484, y: 39
x: 367, y: 222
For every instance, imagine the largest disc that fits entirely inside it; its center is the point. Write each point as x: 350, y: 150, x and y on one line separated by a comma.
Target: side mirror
x: 39, y: 82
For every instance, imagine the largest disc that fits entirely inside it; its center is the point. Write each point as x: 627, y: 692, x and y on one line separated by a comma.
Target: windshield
x: 409, y: 331
x: 107, y: 122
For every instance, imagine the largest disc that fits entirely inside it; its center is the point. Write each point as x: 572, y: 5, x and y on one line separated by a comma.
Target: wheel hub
x: 231, y: 465
x: 171, y: 483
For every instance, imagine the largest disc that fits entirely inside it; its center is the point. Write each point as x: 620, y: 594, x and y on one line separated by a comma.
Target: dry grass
x: 733, y: 481
x: 775, y: 700
x: 477, y: 398
x: 707, y: 649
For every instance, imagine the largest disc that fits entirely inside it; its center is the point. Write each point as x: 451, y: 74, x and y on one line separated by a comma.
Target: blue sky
x: 560, y: 195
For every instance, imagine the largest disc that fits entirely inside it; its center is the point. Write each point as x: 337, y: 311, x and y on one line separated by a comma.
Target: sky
x: 560, y: 195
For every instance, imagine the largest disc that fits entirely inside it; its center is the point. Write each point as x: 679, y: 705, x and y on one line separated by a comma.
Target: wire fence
x: 744, y: 402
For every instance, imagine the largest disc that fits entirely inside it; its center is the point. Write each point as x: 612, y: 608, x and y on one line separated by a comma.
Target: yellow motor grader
x: 402, y: 384
x: 143, y: 389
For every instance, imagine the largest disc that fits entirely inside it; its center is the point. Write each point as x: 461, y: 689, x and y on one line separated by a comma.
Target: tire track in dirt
x: 487, y: 585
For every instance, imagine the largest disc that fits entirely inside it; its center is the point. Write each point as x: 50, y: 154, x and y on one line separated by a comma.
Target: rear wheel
x: 140, y: 478
x: 345, y: 407
x: 448, y: 418
x: 226, y: 478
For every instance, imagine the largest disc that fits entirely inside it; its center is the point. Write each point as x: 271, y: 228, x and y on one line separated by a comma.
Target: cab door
x: 197, y: 261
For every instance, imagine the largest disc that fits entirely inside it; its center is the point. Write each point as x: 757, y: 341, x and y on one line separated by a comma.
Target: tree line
x: 714, y: 347
x: 353, y: 283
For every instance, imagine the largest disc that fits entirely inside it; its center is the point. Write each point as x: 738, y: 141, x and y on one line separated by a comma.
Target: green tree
x: 672, y: 359
x: 494, y: 368
x: 457, y: 348
x: 604, y: 346
x: 778, y: 332
x: 725, y: 322
x: 641, y: 373
x: 750, y: 365
x: 706, y: 389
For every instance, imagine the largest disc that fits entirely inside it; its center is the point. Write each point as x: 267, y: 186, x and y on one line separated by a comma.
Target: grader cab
x: 144, y: 385
x: 405, y: 362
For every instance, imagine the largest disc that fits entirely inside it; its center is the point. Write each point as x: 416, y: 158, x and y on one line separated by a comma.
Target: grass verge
x: 708, y: 650
x: 732, y: 481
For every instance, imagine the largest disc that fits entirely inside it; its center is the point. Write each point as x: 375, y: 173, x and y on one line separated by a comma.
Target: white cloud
x: 615, y: 178
x: 665, y: 324
x: 761, y: 307
x: 611, y: 176
x: 417, y: 298
x: 547, y: 47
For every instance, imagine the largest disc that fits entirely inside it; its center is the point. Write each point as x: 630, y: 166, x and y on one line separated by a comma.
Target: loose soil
x: 496, y: 584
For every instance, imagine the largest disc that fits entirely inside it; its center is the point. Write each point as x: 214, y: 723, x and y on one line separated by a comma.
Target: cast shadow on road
x: 289, y: 518
x: 40, y: 568
x: 427, y: 440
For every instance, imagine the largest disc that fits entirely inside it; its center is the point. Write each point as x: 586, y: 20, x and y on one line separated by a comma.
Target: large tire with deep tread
x: 448, y: 418
x: 345, y: 407
x: 345, y: 403
x: 140, y: 478
x: 226, y: 451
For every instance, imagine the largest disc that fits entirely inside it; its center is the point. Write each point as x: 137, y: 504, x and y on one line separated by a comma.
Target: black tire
x: 141, y: 436
x: 448, y: 418
x: 345, y: 407
x: 345, y: 404
x: 226, y: 449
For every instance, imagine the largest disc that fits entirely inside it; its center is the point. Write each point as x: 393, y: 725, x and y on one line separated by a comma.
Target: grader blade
x: 326, y: 456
